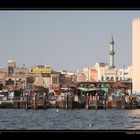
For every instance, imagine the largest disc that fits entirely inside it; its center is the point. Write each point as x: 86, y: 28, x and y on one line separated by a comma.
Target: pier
x: 85, y: 96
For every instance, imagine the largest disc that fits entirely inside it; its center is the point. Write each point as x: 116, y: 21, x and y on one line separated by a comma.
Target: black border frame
x: 69, y: 5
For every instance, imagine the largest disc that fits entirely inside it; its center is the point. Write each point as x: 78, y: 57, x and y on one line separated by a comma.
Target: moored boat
x: 67, y: 99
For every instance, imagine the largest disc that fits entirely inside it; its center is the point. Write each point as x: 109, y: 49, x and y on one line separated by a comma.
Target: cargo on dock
x: 67, y: 99
x: 95, y: 97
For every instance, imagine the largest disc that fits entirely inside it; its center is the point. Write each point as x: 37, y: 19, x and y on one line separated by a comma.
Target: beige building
x: 40, y: 75
x: 44, y: 76
x: 81, y: 77
x: 125, y: 73
x: 93, y: 74
x: 136, y: 54
x: 103, y: 72
x: 2, y: 76
x: 13, y: 73
x: 84, y: 75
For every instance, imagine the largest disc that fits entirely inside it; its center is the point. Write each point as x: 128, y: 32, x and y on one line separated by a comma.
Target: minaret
x: 111, y: 54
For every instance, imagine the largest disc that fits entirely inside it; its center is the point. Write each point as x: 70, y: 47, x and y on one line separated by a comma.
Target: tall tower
x: 111, y: 54
x: 11, y: 67
x: 136, y: 54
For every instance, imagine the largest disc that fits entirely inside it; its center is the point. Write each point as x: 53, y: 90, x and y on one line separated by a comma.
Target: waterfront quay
x: 42, y: 87
x: 88, y: 95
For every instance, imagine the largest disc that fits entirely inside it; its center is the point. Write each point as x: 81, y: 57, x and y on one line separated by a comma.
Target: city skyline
x: 68, y: 40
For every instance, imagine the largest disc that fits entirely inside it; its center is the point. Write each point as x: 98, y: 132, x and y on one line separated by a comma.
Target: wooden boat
x: 67, y: 99
x: 95, y: 97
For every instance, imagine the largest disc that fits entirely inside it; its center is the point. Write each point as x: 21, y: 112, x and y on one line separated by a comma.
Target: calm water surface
x: 72, y: 119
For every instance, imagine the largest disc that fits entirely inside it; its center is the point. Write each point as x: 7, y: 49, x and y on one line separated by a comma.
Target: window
x: 107, y: 78
x: 112, y: 78
x: 54, y: 80
x: 102, y: 78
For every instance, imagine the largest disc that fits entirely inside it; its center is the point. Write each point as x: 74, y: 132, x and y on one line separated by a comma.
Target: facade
x: 44, y: 76
x: 84, y: 75
x: 13, y: 75
x: 81, y: 77
x: 2, y: 76
x: 67, y: 77
x: 128, y: 73
x: 103, y: 72
x: 125, y: 74
x: 39, y: 75
x: 11, y: 67
x: 136, y: 54
x: 93, y: 74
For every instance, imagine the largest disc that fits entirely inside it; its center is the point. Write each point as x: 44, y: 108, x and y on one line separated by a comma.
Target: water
x: 71, y: 119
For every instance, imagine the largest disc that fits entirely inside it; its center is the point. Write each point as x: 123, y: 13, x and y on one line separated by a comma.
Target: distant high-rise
x: 111, y: 54
x: 136, y: 54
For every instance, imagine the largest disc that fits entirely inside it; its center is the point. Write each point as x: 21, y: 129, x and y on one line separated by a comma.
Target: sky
x: 65, y: 40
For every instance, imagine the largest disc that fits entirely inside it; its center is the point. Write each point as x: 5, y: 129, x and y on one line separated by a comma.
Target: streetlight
x: 24, y: 79
x: 123, y: 75
x: 123, y: 72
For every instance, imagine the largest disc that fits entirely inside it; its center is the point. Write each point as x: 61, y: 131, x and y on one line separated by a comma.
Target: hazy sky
x: 65, y: 39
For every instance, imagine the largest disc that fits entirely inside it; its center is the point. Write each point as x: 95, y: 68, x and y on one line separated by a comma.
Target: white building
x: 105, y: 73
x: 136, y: 54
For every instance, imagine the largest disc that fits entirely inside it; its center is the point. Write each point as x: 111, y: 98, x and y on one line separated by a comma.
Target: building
x: 136, y: 54
x: 105, y: 73
x: 67, y: 77
x: 80, y: 77
x: 15, y: 75
x: 44, y: 76
x: 125, y: 74
x: 102, y: 72
x: 93, y: 73
x: 11, y: 67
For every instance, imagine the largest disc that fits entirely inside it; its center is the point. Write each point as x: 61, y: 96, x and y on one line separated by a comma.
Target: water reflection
x: 134, y: 118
